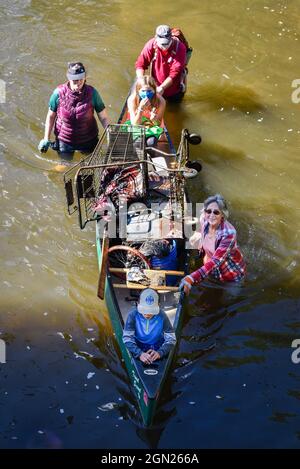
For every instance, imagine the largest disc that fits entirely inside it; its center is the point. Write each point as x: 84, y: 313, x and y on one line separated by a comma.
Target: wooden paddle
x: 103, y: 265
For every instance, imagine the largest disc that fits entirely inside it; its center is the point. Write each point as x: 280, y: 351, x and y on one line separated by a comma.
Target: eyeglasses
x: 209, y: 211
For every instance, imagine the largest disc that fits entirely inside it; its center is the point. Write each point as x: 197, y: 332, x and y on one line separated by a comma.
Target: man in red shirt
x: 166, y: 57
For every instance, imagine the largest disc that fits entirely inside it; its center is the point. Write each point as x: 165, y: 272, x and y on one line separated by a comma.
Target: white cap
x: 148, y: 302
x: 163, y: 35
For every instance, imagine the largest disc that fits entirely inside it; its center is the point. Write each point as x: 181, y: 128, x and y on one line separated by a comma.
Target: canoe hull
x: 147, y: 403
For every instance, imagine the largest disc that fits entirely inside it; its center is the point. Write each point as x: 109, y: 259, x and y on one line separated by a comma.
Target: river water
x: 233, y: 383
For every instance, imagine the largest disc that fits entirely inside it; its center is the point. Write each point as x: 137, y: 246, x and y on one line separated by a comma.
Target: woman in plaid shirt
x: 217, y: 243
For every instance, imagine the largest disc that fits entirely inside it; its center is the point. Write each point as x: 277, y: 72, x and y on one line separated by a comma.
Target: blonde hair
x: 145, y: 80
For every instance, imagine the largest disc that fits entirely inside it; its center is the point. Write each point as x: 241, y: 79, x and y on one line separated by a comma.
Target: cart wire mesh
x: 119, y: 147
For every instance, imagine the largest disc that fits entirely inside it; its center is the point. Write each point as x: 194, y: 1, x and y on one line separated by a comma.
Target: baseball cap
x: 163, y: 35
x: 76, y: 71
x: 148, y: 302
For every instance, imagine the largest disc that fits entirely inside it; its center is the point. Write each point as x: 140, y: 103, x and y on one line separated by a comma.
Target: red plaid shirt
x: 227, y: 263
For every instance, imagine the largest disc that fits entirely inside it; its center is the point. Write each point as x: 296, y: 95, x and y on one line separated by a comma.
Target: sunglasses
x: 209, y: 211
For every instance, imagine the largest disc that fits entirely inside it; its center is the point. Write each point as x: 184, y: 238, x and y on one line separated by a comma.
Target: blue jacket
x: 148, y: 331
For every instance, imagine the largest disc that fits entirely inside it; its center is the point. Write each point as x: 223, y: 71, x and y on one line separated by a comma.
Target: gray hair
x: 220, y: 201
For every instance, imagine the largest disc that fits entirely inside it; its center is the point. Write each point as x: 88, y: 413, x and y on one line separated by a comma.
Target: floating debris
x: 91, y: 339
x: 90, y: 375
x: 107, y: 407
x: 83, y: 355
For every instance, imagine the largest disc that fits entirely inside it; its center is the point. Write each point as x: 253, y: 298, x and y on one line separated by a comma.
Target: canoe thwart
x: 164, y: 272
x: 160, y: 289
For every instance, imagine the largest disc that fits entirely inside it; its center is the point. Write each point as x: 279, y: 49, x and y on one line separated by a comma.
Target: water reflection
x: 227, y: 96
x: 102, y: 352
x: 44, y: 439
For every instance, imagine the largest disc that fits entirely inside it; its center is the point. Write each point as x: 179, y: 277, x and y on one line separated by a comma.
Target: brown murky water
x: 234, y: 384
